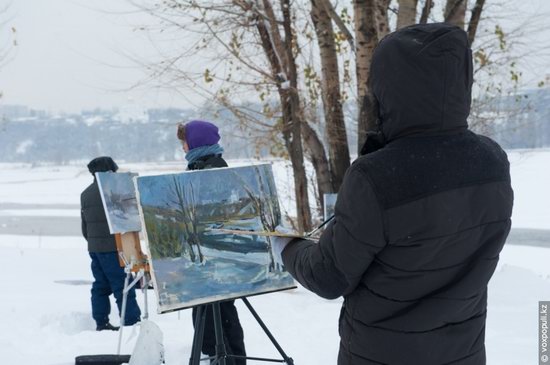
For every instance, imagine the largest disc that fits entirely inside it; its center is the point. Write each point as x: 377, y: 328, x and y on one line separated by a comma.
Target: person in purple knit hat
x: 200, y: 143
x: 199, y: 140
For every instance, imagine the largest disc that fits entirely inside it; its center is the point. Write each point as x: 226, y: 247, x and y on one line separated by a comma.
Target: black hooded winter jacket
x: 419, y: 224
x: 95, y: 228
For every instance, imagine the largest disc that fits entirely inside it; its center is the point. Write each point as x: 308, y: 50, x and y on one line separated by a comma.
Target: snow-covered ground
x: 46, y: 320
x: 530, y: 179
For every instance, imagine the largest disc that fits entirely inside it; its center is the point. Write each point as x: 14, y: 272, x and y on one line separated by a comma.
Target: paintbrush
x: 267, y: 233
x: 319, y: 228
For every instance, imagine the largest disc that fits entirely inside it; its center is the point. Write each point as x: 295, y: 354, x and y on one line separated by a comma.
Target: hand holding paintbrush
x: 283, y: 236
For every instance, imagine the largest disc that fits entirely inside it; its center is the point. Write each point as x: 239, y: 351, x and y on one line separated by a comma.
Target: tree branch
x: 474, y: 20
x: 428, y: 5
x: 455, y: 11
x: 329, y: 8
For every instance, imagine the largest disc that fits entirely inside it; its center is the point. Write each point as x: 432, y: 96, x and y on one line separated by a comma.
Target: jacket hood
x: 421, y: 78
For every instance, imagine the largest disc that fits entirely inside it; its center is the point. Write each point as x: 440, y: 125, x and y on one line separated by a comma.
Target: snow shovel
x: 148, y: 350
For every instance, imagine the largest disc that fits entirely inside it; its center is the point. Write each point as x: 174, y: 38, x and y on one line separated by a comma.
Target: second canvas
x: 192, y: 261
x: 119, y: 201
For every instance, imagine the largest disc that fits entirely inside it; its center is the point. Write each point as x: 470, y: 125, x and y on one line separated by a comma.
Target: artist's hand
x: 278, y: 244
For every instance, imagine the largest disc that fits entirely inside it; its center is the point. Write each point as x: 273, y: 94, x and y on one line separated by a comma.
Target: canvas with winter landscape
x: 119, y: 201
x: 193, y: 261
x: 329, y: 202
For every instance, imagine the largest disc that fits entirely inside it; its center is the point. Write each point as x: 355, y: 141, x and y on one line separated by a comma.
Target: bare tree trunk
x: 334, y: 115
x: 474, y: 20
x: 455, y: 12
x: 290, y: 102
x: 366, y: 39
x: 275, y: 34
x: 318, y: 157
x: 382, y: 22
x: 293, y: 144
x: 292, y: 126
x: 428, y: 5
x: 407, y: 13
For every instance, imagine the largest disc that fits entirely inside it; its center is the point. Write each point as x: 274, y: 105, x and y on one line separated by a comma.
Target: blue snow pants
x: 109, y: 279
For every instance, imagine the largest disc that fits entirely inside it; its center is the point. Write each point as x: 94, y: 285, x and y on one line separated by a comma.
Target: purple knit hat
x: 200, y: 133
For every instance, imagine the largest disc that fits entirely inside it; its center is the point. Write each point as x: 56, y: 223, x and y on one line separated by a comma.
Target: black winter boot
x: 106, y: 326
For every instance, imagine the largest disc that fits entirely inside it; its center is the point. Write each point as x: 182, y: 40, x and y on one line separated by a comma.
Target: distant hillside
x: 132, y: 134
x: 61, y: 139
x: 527, y: 124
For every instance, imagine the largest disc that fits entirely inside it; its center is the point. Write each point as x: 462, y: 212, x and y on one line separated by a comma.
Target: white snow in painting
x: 45, y: 281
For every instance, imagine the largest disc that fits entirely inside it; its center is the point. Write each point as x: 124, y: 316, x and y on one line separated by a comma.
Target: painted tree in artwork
x: 266, y: 204
x: 270, y: 214
x: 183, y: 198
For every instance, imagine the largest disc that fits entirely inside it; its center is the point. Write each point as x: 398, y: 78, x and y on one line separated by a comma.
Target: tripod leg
x: 198, y: 337
x: 145, y: 282
x: 123, y: 308
x: 221, y: 353
x: 287, y: 359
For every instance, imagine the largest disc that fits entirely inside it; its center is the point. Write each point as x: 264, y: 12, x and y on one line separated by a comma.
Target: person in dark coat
x: 420, y: 221
x: 108, y: 275
x: 199, y: 140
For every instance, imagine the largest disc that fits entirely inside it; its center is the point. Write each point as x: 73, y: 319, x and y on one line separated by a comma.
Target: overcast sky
x: 71, y: 56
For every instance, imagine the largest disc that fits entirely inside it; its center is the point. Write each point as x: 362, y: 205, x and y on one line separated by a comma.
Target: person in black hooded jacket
x: 109, y: 276
x: 199, y: 140
x: 420, y: 222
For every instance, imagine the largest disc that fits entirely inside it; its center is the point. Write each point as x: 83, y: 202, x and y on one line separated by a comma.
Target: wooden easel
x: 129, y: 250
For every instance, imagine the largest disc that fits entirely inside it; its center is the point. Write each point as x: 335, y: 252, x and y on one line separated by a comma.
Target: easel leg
x: 221, y: 352
x: 198, y: 336
x: 144, y: 290
x: 287, y: 359
x: 123, y: 309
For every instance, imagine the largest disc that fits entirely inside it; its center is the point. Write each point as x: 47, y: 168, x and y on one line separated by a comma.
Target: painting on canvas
x: 329, y: 204
x: 193, y: 261
x: 119, y: 201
